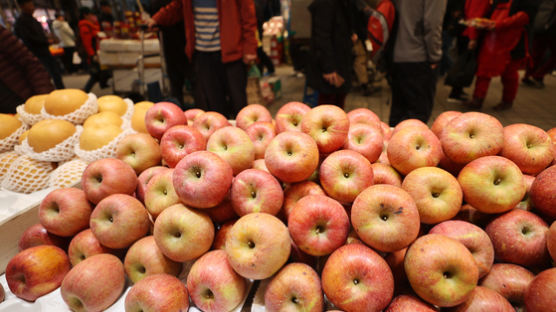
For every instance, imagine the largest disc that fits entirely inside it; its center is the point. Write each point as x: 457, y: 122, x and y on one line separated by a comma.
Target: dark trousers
x: 67, y: 59
x: 53, y: 69
x: 264, y: 61
x: 462, y: 43
x: 221, y: 86
x: 332, y: 99
x: 177, y: 64
x: 96, y: 75
x: 539, y: 65
x: 413, y: 88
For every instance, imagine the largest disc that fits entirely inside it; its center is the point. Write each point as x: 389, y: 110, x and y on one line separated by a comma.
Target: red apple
x: 409, y: 123
x: 160, y: 193
x: 144, y: 258
x: 385, y: 217
x: 292, y: 156
x: 84, y: 245
x: 318, y: 225
x: 222, y: 234
x: 449, y: 165
x: 258, y: 245
x: 202, y: 179
x: 386, y: 131
x: 519, y: 237
x: 119, y: 220
x: 355, y: 278
x: 222, y: 212
x: 395, y: 262
x: 472, y: 135
x: 541, y: 292
x: 37, y: 235
x: 234, y: 146
x: 485, y: 299
x: 36, y: 271
x: 441, y: 270
x: 251, y: 114
x: 413, y: 147
x: 542, y: 192
x: 328, y: 125
x: 183, y: 234
x: 140, y: 151
x: 161, y: 117
x: 260, y: 133
x: 386, y: 174
x: 551, y: 241
x: 525, y: 203
x: 344, y: 174
x: 442, y: 120
x: 529, y: 147
x: 471, y: 236
x: 256, y: 191
x: 552, y: 134
x: 179, y: 141
x: 65, y: 212
x: 409, y: 303
x: 363, y: 116
x: 296, y: 287
x: 144, y: 179
x: 366, y: 140
x: 94, y: 284
x: 159, y: 292
x: 213, y: 285
x: 191, y: 114
x: 492, y: 184
x: 297, y: 191
x: 106, y: 177
x: 209, y: 122
x: 289, y: 116
x: 509, y: 280
x: 470, y: 214
x: 259, y: 164
x: 436, y: 192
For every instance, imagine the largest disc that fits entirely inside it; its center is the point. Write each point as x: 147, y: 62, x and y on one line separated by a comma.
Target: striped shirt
x: 207, y: 28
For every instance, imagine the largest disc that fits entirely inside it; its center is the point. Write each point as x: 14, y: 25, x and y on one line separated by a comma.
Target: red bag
x: 379, y: 27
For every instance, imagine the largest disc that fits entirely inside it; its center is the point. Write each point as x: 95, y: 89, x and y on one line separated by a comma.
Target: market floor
x: 532, y: 106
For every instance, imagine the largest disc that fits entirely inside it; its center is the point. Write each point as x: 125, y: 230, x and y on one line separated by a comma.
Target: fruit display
x: 328, y: 210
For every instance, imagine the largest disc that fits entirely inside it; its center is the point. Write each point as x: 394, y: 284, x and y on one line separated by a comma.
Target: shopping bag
x: 462, y: 72
x: 76, y: 60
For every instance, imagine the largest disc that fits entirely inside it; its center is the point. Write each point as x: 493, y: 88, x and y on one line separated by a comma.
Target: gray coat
x: 419, y: 36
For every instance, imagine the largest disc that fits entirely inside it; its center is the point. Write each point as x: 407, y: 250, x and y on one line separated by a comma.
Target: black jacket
x: 30, y: 31
x: 331, y: 45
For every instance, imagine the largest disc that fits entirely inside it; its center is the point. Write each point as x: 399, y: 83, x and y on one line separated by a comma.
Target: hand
x: 151, y: 23
x: 249, y: 59
x: 491, y: 25
x: 331, y: 78
x: 354, y: 38
x: 472, y: 45
x: 434, y: 65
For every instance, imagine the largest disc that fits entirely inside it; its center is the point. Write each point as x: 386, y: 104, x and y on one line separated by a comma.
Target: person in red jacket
x: 88, y: 31
x: 21, y: 74
x: 220, y: 41
x: 503, y: 50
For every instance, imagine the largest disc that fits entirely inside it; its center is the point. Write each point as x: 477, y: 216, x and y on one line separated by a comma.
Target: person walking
x: 88, y: 31
x: 30, y: 31
x: 21, y: 74
x: 263, y: 12
x: 417, y: 52
x: 503, y: 50
x: 220, y: 41
x: 65, y: 34
x: 330, y: 63
x: 544, y: 41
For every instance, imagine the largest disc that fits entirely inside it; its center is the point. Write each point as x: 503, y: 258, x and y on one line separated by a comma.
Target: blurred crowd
x: 214, y: 43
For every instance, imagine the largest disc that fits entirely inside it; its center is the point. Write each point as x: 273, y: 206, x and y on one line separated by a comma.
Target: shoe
x: 474, y: 105
x: 503, y: 106
x: 457, y: 97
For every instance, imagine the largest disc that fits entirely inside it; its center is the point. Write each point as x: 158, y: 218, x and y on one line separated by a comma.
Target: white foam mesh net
x: 26, y: 117
x: 62, y: 151
x: 78, y: 116
x: 26, y: 175
x: 107, y: 151
x: 8, y: 143
x: 6, y: 160
x: 67, y: 174
x: 130, y: 109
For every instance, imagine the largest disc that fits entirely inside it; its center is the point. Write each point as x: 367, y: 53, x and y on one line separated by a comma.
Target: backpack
x: 379, y: 28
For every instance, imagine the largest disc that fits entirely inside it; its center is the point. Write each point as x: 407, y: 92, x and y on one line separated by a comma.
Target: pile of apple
x: 322, y: 203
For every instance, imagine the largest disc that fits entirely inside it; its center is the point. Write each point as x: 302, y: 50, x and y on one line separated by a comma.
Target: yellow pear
x: 8, y: 125
x: 144, y: 104
x: 48, y: 133
x: 63, y: 102
x: 103, y: 118
x: 34, y: 104
x: 93, y: 138
x: 112, y: 103
x: 138, y: 120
